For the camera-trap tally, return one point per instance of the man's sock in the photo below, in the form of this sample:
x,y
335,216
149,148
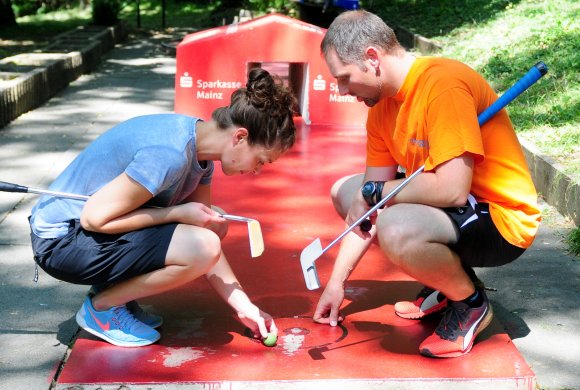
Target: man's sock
x,y
474,300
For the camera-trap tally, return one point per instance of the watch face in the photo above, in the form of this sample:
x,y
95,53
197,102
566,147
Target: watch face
x,y
368,189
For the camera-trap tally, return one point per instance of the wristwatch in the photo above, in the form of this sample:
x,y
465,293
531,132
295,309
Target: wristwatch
x,y
372,192
369,190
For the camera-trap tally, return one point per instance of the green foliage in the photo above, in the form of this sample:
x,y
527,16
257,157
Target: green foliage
x,y
106,12
505,47
573,240
35,7
437,18
194,15
24,7
265,6
35,31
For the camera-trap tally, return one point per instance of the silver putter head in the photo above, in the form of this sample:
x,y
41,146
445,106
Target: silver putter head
x,y
307,259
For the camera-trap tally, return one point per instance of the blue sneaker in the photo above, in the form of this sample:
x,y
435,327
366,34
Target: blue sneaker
x,y
145,317
116,325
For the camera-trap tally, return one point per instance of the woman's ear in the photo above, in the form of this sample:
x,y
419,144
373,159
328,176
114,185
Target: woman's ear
x,y
240,135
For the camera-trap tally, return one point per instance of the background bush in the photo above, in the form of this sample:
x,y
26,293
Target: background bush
x,y
38,7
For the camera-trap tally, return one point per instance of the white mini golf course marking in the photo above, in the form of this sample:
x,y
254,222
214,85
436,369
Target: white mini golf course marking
x,y
293,340
175,357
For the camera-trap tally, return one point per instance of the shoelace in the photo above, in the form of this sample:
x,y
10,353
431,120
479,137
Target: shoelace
x,y
123,318
452,322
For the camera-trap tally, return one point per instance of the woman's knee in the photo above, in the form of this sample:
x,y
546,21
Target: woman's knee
x,y
194,246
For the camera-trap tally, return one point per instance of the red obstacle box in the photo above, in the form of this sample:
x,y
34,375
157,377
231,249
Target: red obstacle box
x,y
211,64
204,346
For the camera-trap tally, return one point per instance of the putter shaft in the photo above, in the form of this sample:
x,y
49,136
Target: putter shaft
x,y
254,229
373,209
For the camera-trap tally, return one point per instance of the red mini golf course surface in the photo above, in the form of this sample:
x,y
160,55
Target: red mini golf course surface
x,y
204,346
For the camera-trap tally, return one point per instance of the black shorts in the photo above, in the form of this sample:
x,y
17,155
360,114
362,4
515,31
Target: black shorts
x,y
83,257
480,244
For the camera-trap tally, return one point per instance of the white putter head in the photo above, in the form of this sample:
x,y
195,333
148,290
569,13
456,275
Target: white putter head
x,y
256,239
307,259
254,233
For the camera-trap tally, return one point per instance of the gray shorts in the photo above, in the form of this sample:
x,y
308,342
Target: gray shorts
x,y
83,257
480,244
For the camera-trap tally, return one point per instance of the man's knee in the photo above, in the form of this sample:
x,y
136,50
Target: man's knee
x,y
396,236
393,240
343,192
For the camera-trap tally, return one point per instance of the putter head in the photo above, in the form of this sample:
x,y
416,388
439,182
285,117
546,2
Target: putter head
x,y
256,239
254,233
307,259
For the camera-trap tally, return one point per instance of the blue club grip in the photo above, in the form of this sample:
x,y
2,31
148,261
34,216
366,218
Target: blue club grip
x,y
520,86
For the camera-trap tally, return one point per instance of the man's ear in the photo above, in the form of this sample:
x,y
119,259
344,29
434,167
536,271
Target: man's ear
x,y
372,57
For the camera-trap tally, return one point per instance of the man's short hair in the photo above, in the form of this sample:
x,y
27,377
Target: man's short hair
x,y
353,31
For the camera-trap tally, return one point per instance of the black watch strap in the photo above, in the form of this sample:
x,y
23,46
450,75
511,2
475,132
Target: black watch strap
x,y
372,192
379,191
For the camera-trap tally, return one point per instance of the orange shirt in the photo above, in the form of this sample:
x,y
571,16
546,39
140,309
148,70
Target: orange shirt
x,y
433,119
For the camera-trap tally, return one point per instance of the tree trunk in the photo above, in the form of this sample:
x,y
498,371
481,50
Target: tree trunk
x,y
7,17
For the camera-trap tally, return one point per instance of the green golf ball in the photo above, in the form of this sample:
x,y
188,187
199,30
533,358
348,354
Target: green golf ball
x,y
270,341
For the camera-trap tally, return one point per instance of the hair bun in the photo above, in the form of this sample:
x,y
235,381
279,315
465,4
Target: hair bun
x,y
261,87
265,107
259,77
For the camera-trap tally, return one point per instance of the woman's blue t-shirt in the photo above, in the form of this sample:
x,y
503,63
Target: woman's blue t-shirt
x,y
157,151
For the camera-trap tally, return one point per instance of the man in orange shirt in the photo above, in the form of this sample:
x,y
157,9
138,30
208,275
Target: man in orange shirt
x,y
475,204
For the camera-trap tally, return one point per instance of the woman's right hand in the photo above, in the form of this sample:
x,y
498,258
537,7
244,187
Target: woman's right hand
x,y
260,323
198,214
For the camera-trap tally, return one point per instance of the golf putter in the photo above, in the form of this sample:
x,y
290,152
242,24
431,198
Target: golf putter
x,y
314,250
254,229
254,233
